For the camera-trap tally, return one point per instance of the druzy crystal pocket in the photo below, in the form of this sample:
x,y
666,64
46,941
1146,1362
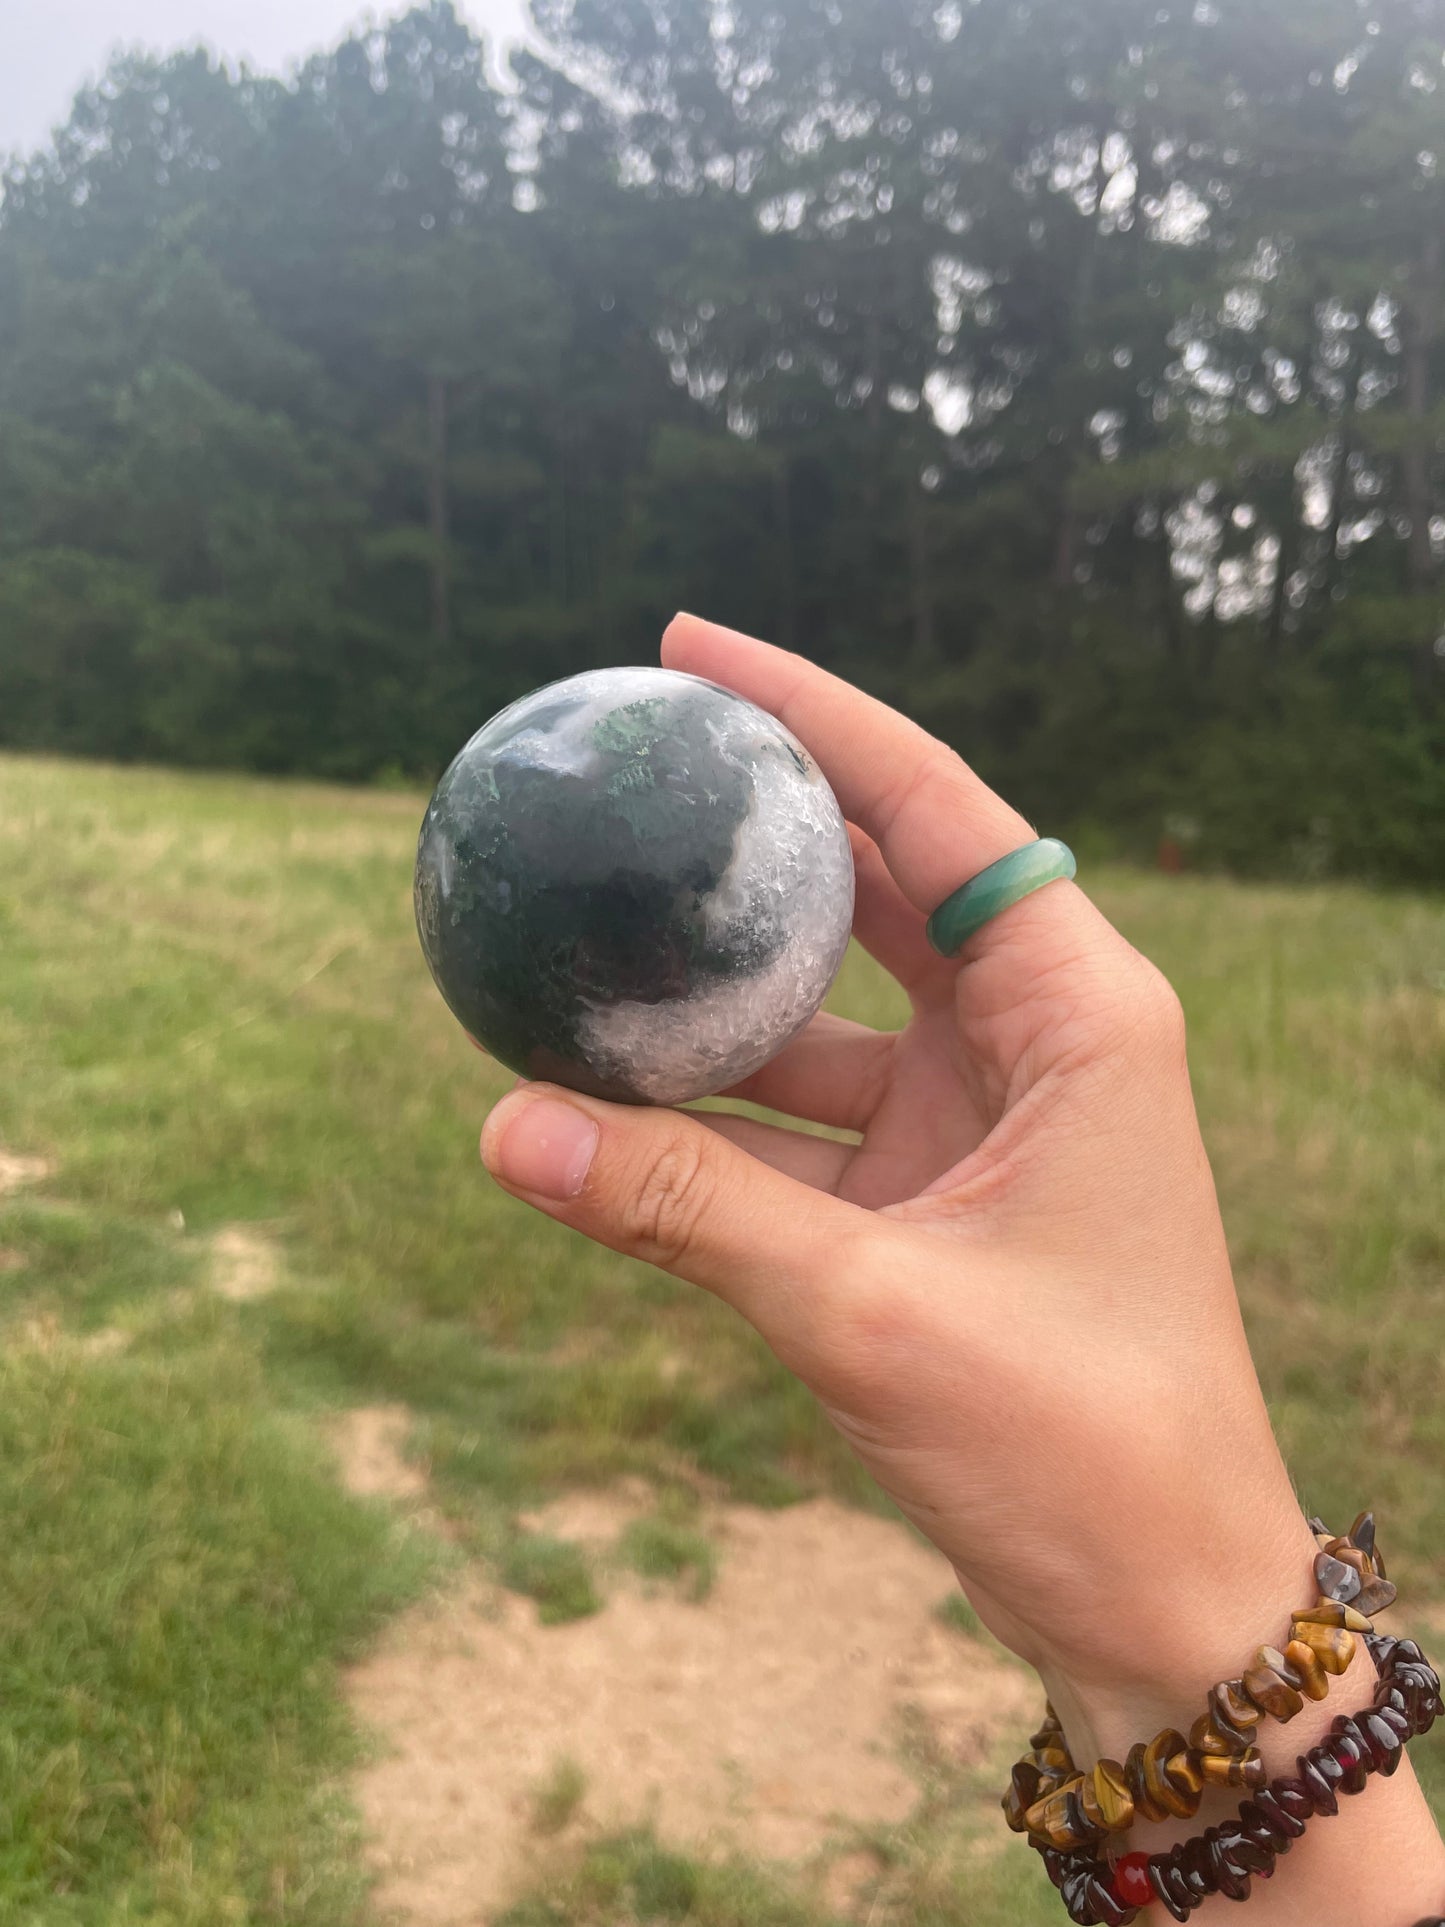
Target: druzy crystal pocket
x,y
634,883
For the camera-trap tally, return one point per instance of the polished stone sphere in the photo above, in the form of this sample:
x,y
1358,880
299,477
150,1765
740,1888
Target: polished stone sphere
x,y
634,883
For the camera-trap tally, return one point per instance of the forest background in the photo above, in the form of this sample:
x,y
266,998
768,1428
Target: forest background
x,y
1072,375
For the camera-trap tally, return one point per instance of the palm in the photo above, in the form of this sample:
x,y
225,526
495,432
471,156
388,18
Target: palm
x,y
925,1119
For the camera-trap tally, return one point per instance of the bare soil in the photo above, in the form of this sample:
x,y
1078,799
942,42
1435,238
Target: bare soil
x,y
765,1718
369,1443
17,1171
244,1263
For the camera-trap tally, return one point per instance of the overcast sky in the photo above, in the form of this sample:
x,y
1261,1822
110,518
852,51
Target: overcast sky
x,y
49,48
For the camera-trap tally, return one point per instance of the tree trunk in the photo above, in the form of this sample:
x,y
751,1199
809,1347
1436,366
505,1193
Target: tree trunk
x,y
1066,542
438,513
1206,647
1289,537
1318,616
787,562
1418,340
873,412
1418,334
1169,617
557,508
924,651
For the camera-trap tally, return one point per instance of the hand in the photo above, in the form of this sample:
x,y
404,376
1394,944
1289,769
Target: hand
x,y
1012,1295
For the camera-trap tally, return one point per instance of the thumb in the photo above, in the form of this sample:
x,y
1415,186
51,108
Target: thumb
x,y
659,1185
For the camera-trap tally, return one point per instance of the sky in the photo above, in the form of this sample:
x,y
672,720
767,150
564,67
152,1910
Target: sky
x,y
49,48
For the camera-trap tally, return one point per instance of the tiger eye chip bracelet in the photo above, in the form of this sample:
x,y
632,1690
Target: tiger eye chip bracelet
x,y
1059,1807
1224,1859
1067,1814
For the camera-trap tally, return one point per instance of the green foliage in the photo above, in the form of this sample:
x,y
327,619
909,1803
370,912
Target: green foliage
x,y
179,1576
631,1877
664,1548
954,1611
554,1573
557,1799
929,1873
1086,402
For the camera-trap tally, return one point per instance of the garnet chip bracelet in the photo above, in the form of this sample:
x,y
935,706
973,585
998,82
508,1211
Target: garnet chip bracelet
x,y
1069,1816
1059,1807
1224,1859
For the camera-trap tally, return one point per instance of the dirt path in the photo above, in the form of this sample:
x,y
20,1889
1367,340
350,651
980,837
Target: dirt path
x,y
245,1263
17,1171
760,1718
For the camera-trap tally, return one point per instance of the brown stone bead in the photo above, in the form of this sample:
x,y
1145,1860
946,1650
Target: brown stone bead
x,y
1049,1759
1329,1612
1272,1657
1023,1793
1305,1663
1207,1736
1146,1807
1362,1533
1162,1791
1059,1819
1272,1694
1182,1773
1230,1708
1349,1555
1048,1734
1243,1770
1112,1796
1089,1804
1375,1596
1333,1645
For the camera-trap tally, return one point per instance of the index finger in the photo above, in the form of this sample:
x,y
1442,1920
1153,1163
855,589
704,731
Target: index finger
x,y
936,823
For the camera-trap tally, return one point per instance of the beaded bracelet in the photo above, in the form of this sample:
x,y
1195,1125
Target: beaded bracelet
x,y
1059,1807
1223,1859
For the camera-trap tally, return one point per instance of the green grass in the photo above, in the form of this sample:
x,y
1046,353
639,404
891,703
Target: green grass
x,y
664,1548
179,1578
557,1799
954,1611
212,1009
552,1572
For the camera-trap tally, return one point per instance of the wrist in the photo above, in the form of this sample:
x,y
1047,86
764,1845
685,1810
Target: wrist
x,y
1377,1861
1192,1627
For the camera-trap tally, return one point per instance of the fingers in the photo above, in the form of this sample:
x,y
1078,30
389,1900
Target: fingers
x,y
891,930
935,822
816,1161
832,1073
662,1186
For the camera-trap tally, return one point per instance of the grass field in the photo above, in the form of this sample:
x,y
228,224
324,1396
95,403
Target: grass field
x,y
213,1012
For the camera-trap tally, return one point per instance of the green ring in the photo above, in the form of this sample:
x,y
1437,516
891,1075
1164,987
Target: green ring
x,y
997,888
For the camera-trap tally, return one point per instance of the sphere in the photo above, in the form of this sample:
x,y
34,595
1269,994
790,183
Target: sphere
x,y
634,883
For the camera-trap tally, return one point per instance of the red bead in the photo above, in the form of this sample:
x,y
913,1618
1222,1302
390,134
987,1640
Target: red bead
x,y
1132,1884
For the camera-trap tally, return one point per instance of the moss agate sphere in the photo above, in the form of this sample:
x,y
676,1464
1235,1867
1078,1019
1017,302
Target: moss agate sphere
x,y
634,883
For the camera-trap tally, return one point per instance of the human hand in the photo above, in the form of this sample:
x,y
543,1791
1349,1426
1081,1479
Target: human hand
x,y
1012,1294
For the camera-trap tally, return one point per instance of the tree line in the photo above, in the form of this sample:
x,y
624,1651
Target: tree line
x,y
1073,375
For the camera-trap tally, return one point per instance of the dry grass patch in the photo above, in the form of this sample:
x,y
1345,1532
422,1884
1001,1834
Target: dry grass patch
x,y
16,1171
245,1264
370,1448
767,1719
